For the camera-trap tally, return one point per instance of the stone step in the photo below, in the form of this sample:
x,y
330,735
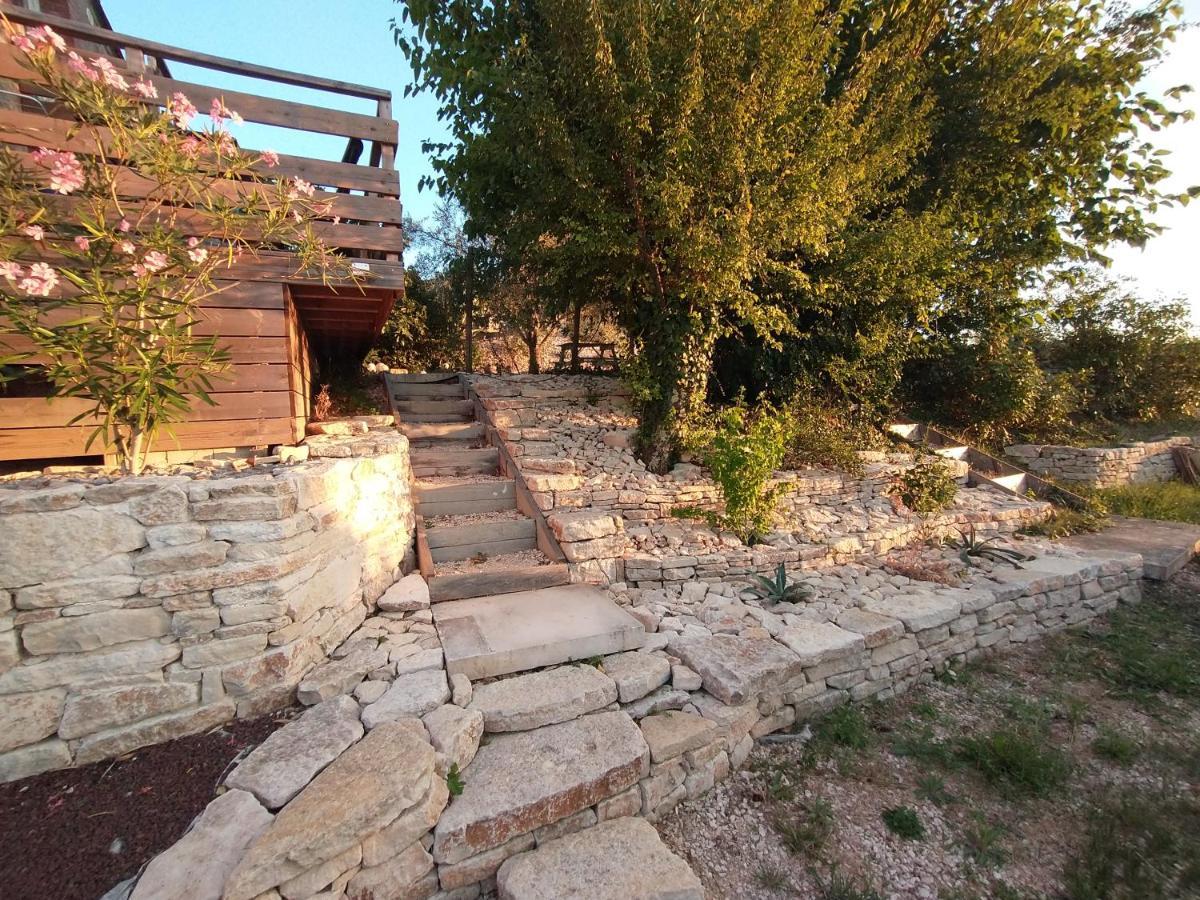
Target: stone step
x,y
432,462
490,538
614,860
442,407
1165,547
501,634
436,417
524,781
453,431
414,390
525,702
466,497
525,578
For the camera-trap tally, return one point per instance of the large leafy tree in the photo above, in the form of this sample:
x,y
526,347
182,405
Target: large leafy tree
x,y
687,158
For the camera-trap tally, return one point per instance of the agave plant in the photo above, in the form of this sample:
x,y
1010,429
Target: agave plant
x,y
971,548
779,589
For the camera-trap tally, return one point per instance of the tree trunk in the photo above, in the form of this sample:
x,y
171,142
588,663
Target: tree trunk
x,y
531,344
575,336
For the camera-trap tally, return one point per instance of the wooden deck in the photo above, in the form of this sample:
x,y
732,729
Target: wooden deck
x,y
273,320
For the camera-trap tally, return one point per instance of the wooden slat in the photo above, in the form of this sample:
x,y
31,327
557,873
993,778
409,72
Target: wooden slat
x,y
39,443
36,412
241,349
36,130
193,57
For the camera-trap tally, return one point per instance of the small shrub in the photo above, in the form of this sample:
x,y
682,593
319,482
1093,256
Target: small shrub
x,y
840,887
1017,760
1113,745
771,877
808,835
1173,501
845,726
923,746
904,822
932,788
981,841
1064,522
454,780
821,436
925,488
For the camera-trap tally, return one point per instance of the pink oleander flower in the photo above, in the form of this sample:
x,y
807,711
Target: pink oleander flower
x,y
144,89
40,281
337,220
111,76
182,109
35,232
83,243
193,242
197,255
224,143
269,158
23,42
127,248
124,226
191,147
66,174
44,34
154,261
76,64
300,188
219,112
11,270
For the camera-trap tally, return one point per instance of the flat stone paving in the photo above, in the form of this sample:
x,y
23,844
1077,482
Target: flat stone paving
x,y
1166,547
483,637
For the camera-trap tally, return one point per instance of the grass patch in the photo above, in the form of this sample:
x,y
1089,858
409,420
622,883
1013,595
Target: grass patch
x,y
1016,760
904,822
808,834
1064,521
772,878
1112,745
1138,847
981,842
1151,649
919,743
1173,501
932,789
839,887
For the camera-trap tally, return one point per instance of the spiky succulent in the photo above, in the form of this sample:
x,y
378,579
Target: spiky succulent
x,y
779,589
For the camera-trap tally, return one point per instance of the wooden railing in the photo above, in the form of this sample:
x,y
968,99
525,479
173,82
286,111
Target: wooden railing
x,y
363,196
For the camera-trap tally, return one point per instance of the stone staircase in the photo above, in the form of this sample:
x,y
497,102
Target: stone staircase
x,y
499,583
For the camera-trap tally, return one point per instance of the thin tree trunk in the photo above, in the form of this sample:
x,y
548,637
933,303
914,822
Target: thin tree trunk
x,y
575,336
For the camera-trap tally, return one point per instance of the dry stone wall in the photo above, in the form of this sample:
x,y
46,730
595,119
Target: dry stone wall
x,y
1135,463
142,609
569,436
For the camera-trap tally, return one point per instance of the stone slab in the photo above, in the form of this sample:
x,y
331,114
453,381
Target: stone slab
x,y
917,611
1165,547
364,789
542,698
410,696
488,636
622,859
195,867
673,733
734,669
636,674
818,642
522,781
282,765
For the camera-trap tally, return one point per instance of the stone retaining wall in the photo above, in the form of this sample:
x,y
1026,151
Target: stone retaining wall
x,y
143,609
1135,463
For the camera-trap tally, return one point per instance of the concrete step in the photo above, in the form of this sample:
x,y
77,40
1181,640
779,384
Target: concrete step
x,y
441,407
421,391
1165,547
466,497
435,417
959,452
497,635
451,431
462,585
432,462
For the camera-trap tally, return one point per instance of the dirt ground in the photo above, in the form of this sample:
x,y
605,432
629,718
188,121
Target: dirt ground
x,y
75,833
1069,768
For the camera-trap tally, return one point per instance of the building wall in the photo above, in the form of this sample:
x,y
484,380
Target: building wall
x,y
261,399
143,609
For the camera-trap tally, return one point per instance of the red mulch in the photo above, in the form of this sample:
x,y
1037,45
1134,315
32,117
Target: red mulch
x,y
75,833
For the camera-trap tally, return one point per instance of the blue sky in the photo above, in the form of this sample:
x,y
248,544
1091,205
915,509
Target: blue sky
x,y
350,41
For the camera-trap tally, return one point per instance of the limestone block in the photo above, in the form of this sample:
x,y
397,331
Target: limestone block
x,y
107,744
195,867
408,827
628,803
875,629
918,612
395,878
421,661
734,669
339,676
460,688
455,732
670,734
82,668
684,679
344,865
380,777
819,642
91,632
410,696
89,713
77,591
179,558
520,782
34,758
28,718
43,500
636,674
584,525
483,865
283,765
617,860
542,698
283,665
166,506
45,546
408,594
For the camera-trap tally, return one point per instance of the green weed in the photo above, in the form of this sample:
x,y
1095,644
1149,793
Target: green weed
x,y
1113,745
772,878
932,788
981,841
1173,501
904,822
809,834
454,780
1016,760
